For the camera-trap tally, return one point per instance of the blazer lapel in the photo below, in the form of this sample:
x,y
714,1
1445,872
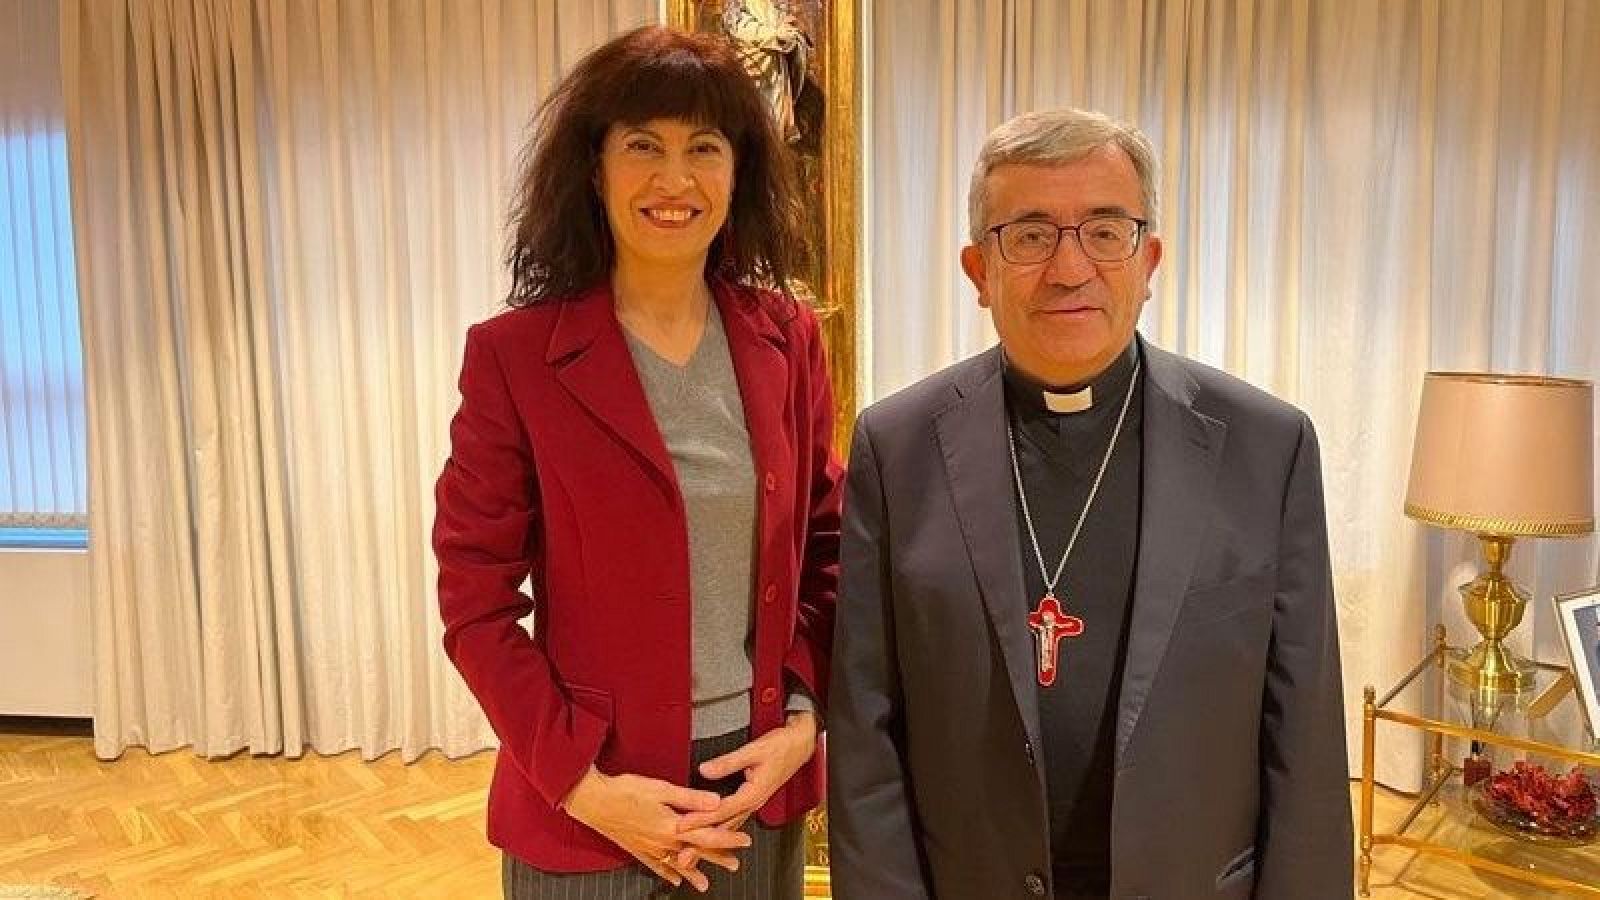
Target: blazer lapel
x,y
1182,448
592,362
972,439
755,345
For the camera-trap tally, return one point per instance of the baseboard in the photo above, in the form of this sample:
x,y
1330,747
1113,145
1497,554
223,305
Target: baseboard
x,y
48,726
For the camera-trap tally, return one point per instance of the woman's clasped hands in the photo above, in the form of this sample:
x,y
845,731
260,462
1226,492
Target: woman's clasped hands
x,y
670,828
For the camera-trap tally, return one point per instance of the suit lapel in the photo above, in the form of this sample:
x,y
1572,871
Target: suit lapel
x,y
972,439
1182,448
592,362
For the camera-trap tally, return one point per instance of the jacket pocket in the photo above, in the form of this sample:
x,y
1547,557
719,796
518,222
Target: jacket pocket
x,y
591,703
1223,600
1238,869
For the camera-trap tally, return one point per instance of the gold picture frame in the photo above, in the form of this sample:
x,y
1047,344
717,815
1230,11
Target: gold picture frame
x,y
824,109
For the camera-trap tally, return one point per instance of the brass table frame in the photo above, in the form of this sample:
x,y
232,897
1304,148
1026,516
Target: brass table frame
x,y
1440,770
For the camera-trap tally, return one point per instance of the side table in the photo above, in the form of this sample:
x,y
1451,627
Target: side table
x,y
1544,725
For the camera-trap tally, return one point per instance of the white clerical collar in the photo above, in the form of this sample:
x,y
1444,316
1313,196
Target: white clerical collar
x,y
1069,402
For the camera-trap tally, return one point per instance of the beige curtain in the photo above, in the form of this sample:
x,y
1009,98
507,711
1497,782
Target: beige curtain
x,y
1356,191
286,214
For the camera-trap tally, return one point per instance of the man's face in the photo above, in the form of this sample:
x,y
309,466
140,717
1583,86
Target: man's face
x,y
1063,321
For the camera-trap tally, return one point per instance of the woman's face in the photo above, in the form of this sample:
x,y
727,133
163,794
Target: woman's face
x,y
666,185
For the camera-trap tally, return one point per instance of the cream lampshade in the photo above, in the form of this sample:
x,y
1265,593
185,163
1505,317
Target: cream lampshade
x,y
1502,456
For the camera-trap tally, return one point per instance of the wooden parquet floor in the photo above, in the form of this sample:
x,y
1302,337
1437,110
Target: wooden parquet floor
x,y
176,825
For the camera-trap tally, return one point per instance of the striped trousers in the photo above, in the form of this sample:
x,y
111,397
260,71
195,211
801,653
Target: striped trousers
x,y
771,868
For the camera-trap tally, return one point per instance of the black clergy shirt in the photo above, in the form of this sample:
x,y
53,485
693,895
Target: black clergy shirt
x,y
1059,454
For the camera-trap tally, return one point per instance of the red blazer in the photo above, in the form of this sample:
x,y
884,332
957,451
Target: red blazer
x,y
557,471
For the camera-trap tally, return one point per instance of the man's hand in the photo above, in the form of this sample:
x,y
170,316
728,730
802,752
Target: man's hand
x,y
645,816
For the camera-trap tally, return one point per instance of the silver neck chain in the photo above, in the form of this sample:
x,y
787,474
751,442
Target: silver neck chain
x,y
1050,581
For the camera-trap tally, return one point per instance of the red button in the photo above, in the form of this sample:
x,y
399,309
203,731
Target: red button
x,y
769,695
772,482
770,595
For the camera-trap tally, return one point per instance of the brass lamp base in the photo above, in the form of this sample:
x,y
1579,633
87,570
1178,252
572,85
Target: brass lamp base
x,y
1495,605
1490,668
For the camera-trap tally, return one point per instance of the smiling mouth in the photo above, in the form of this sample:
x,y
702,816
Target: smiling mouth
x,y
670,216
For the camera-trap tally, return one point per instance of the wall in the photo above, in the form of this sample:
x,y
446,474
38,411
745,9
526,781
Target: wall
x,y
45,652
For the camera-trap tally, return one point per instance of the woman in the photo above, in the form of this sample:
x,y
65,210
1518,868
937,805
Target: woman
x,y
646,435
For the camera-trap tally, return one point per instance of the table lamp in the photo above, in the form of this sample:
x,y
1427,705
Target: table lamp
x,y
1501,456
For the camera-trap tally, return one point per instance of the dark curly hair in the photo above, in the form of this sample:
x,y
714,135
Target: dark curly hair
x,y
560,243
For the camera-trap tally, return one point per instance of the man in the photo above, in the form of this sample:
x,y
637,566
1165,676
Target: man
x,y
1085,643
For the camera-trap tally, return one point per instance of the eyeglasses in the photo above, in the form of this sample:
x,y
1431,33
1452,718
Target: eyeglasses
x,y
1104,239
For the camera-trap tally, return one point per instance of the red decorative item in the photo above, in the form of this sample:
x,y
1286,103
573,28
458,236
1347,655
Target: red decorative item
x,y
1537,802
1474,769
1050,623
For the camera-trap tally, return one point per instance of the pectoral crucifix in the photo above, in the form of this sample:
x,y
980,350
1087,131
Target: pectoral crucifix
x,y
1050,623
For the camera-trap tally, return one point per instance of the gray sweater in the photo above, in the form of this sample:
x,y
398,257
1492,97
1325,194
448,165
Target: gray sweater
x,y
698,410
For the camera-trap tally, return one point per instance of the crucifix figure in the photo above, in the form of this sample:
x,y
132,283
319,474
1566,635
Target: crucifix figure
x,y
1050,623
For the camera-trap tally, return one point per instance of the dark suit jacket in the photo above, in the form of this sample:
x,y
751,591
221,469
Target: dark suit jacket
x,y
557,471
1231,777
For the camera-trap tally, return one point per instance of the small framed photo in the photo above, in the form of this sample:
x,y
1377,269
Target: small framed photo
x,y
1579,615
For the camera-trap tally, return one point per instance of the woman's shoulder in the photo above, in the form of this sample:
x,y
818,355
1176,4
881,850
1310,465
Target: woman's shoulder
x,y
518,324
790,313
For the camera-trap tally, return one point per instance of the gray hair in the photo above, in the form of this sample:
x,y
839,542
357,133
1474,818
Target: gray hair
x,y
1057,137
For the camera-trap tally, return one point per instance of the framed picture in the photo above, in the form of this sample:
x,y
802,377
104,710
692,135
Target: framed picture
x,y
802,55
1579,615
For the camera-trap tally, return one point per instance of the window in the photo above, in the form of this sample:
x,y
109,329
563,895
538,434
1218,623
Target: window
x,y
43,469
